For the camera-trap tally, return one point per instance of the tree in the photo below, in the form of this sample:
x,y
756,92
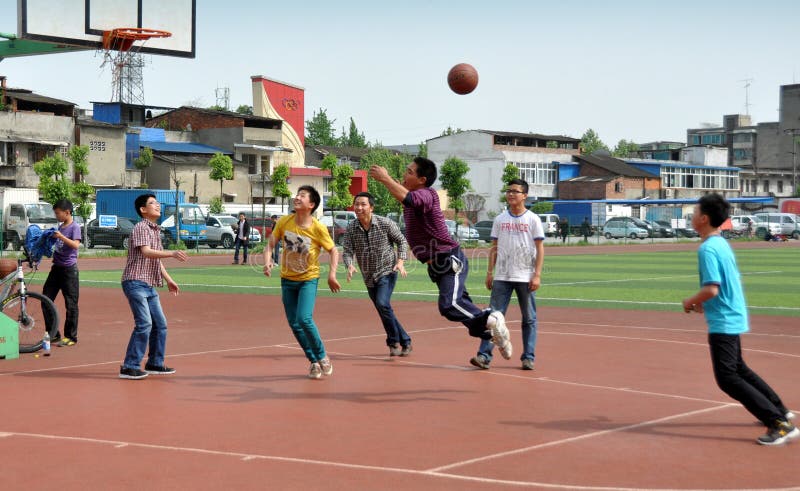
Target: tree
x,y
221,169
215,205
625,149
541,207
453,181
353,138
423,150
396,166
319,130
55,182
473,204
216,107
245,109
280,188
510,171
341,179
591,142
450,131
143,161
551,144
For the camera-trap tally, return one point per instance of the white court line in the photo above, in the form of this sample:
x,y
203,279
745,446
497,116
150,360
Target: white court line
x,y
577,438
249,457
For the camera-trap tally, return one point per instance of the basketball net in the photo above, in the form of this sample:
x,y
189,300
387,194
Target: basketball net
x,y
121,50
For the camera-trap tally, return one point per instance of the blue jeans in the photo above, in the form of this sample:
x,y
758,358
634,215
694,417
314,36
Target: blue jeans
x,y
501,297
381,295
298,302
150,325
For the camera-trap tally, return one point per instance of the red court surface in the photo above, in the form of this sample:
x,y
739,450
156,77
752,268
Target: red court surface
x,y
618,400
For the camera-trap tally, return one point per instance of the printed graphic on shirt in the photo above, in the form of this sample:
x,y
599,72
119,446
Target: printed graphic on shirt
x,y
296,249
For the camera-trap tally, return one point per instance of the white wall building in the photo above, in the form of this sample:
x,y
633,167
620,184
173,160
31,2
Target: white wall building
x,y
488,152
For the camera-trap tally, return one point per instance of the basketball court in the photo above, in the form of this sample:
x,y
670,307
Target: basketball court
x,y
618,400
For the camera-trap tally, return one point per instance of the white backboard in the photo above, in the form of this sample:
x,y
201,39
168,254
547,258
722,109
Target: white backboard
x,y
82,22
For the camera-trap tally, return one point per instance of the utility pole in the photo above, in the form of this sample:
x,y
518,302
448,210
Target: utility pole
x,y
746,94
794,132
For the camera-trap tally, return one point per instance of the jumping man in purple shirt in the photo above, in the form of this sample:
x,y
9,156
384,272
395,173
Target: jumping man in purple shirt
x,y
431,243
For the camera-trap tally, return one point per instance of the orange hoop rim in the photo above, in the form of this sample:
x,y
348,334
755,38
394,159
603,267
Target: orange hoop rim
x,y
122,38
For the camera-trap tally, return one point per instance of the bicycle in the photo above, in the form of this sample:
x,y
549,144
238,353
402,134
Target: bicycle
x,y
27,308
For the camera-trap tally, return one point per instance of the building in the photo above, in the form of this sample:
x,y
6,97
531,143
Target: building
x,y
766,152
488,152
601,177
32,126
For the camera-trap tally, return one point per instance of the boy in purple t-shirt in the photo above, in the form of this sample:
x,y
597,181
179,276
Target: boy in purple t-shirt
x,y
63,274
431,243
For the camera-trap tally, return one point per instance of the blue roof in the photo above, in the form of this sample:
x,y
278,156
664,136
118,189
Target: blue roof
x,y
182,147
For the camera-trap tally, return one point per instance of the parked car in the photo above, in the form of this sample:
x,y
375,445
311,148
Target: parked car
x,y
787,222
762,226
117,236
662,228
624,227
549,224
336,227
219,231
484,228
465,232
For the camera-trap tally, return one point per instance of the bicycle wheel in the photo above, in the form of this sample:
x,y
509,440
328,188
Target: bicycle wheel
x,y
31,323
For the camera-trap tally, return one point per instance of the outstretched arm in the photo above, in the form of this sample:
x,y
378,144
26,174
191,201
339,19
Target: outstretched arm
x,y
397,190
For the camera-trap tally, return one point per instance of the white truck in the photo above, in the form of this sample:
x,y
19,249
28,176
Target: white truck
x,y
20,208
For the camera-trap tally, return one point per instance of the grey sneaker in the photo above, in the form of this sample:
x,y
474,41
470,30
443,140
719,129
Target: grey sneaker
x,y
326,366
406,350
480,361
527,364
500,336
394,350
315,371
779,433
789,415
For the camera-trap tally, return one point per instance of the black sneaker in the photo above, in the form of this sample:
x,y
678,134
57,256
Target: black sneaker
x,y
779,433
480,361
162,370
131,373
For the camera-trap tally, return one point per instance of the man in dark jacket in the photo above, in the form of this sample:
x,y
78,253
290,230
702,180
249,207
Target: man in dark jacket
x,y
242,231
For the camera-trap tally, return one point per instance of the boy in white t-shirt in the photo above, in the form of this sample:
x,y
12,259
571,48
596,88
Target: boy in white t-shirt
x,y
515,265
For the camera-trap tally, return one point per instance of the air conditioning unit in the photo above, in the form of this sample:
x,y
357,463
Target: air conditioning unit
x,y
669,193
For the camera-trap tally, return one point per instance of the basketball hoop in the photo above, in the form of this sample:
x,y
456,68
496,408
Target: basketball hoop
x,y
122,39
120,48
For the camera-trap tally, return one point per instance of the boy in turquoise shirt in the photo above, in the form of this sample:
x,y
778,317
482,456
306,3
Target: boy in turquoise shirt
x,y
721,299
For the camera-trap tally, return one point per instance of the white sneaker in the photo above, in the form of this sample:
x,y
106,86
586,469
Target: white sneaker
x,y
500,336
789,416
315,371
326,366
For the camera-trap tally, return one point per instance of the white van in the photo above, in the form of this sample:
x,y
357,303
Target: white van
x,y
549,224
787,222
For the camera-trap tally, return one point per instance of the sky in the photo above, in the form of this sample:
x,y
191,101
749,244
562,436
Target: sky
x,y
638,70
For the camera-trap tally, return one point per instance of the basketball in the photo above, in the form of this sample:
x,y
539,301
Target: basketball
x,y
463,78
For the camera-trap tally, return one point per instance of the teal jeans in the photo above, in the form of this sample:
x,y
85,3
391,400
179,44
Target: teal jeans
x,y
298,302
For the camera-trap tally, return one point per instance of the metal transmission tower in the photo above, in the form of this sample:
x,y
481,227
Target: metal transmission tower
x,y
128,81
223,97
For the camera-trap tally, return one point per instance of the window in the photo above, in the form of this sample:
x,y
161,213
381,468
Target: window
x,y
699,178
695,140
766,186
537,172
712,139
250,160
780,186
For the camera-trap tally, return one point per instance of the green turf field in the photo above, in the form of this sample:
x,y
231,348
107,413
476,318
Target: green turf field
x,y
636,280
